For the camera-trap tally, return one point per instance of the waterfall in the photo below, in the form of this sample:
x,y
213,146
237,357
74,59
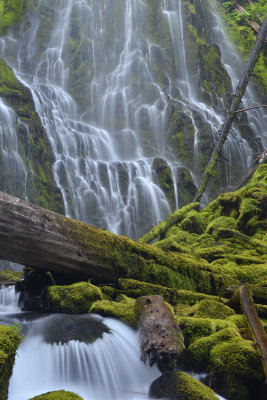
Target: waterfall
x,y
108,368
118,85
9,300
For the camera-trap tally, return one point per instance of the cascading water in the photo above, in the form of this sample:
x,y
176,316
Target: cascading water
x,y
111,81
89,355
8,300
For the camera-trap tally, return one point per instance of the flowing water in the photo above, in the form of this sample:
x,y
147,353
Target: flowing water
x,y
104,81
95,357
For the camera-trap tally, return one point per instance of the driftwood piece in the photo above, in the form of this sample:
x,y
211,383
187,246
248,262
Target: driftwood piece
x,y
161,339
39,238
240,90
242,300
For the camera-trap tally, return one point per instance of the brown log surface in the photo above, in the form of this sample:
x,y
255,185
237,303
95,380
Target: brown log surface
x,y
258,333
161,340
33,236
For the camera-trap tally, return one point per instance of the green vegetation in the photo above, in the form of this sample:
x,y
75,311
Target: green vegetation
x,y
10,12
123,308
10,276
76,298
244,36
180,385
9,341
57,395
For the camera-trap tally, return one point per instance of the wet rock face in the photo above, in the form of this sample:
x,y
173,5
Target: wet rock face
x,y
165,179
83,328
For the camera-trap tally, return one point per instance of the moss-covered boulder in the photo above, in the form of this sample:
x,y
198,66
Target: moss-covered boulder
x,y
212,309
196,328
123,308
10,276
180,386
57,395
74,299
9,341
198,353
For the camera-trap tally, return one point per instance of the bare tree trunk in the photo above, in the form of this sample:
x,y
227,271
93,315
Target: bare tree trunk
x,y
240,90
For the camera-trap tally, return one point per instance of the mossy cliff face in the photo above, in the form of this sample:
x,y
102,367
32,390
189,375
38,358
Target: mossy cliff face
x,y
33,145
10,12
9,341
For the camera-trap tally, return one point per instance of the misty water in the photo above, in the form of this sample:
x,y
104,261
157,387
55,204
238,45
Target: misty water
x,y
96,357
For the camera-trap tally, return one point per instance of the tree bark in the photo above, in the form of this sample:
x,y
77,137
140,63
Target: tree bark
x,y
39,238
242,299
240,90
161,340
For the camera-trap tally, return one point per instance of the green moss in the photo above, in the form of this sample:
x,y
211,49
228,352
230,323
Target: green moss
x,y
193,222
76,298
212,309
165,179
180,385
196,328
124,309
9,341
136,288
198,353
240,323
10,276
57,395
237,358
10,12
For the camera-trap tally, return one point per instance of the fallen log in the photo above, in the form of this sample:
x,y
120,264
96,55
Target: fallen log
x,y
242,298
39,238
161,339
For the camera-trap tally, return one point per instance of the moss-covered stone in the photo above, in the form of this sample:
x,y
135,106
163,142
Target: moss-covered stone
x,y
198,353
10,276
74,299
196,328
182,386
186,187
9,341
123,308
237,358
57,395
212,309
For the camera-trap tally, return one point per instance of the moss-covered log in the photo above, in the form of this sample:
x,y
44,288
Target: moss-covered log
x,y
40,238
161,340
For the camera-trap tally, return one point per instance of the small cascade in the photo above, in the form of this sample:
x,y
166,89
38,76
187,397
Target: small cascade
x,y
9,299
109,368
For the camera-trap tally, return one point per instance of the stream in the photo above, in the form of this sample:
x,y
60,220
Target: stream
x,y
95,357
